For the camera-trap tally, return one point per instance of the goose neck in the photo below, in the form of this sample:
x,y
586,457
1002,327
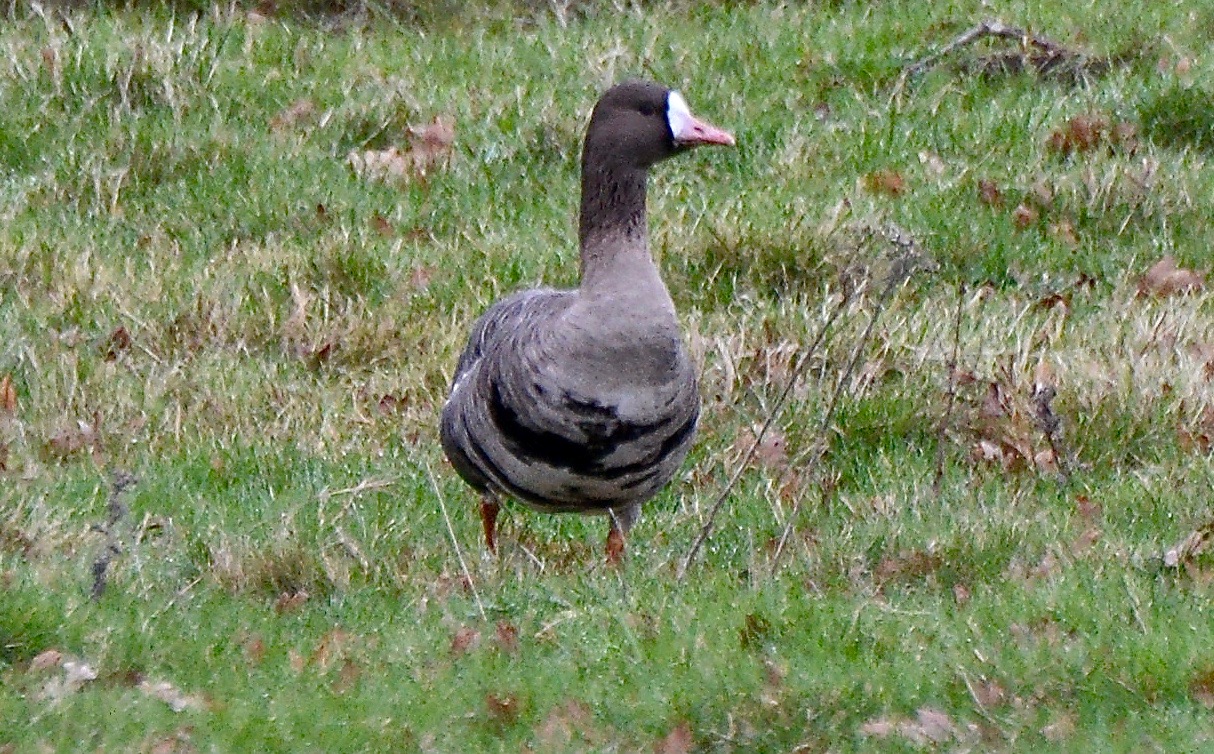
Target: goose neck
x,y
612,229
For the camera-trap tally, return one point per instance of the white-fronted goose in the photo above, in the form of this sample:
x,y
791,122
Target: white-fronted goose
x,y
585,400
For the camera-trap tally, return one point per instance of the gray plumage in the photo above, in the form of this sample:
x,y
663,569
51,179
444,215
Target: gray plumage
x,y
585,400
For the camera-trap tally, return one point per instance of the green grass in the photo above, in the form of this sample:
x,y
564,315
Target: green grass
x,y
214,301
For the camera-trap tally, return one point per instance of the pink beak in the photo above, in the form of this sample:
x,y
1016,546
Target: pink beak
x,y
697,133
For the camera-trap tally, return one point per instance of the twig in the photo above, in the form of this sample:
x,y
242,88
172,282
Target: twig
x,y
116,511
902,269
706,529
438,493
363,486
1051,426
987,28
947,418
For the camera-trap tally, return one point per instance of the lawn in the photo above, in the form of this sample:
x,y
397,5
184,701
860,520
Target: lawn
x,y
955,345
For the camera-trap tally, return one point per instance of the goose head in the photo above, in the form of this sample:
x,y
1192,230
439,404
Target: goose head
x,y
639,123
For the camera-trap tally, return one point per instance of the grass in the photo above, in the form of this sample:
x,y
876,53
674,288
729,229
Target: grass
x,y
198,289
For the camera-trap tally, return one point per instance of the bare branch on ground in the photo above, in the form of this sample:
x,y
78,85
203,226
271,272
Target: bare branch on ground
x,y
116,512
1036,53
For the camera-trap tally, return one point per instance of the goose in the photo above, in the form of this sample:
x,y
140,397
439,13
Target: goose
x,y
585,400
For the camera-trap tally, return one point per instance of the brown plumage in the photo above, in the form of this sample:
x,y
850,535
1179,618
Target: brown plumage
x,y
585,400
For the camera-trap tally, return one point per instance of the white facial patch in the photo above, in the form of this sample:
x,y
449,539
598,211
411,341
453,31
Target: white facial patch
x,y
678,115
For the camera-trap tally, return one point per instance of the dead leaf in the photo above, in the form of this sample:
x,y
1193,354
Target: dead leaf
x,y
1197,435
1046,568
430,146
988,693
987,452
1079,134
1060,728
1004,431
118,341
382,226
8,395
1043,376
75,675
1064,231
49,658
289,602
347,677
420,276
178,743
1085,540
317,358
1088,510
1165,278
772,451
465,640
1046,461
294,114
935,725
1060,301
432,143
381,164
1042,193
888,182
503,710
506,636
929,727
989,193
961,594
177,700
1024,216
881,727
773,683
50,60
907,566
1202,687
70,440
1125,137
296,660
677,741
390,404
1190,547
561,723
254,650
330,646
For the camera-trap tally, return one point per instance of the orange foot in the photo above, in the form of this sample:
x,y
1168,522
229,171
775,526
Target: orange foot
x,y
615,548
489,509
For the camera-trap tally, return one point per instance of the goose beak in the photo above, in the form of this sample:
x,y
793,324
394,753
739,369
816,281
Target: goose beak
x,y
697,133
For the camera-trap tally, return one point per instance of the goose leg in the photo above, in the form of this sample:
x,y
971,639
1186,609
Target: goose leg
x,y
621,522
489,508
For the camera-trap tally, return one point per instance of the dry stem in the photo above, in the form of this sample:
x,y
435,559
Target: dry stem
x,y
951,401
706,529
901,270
